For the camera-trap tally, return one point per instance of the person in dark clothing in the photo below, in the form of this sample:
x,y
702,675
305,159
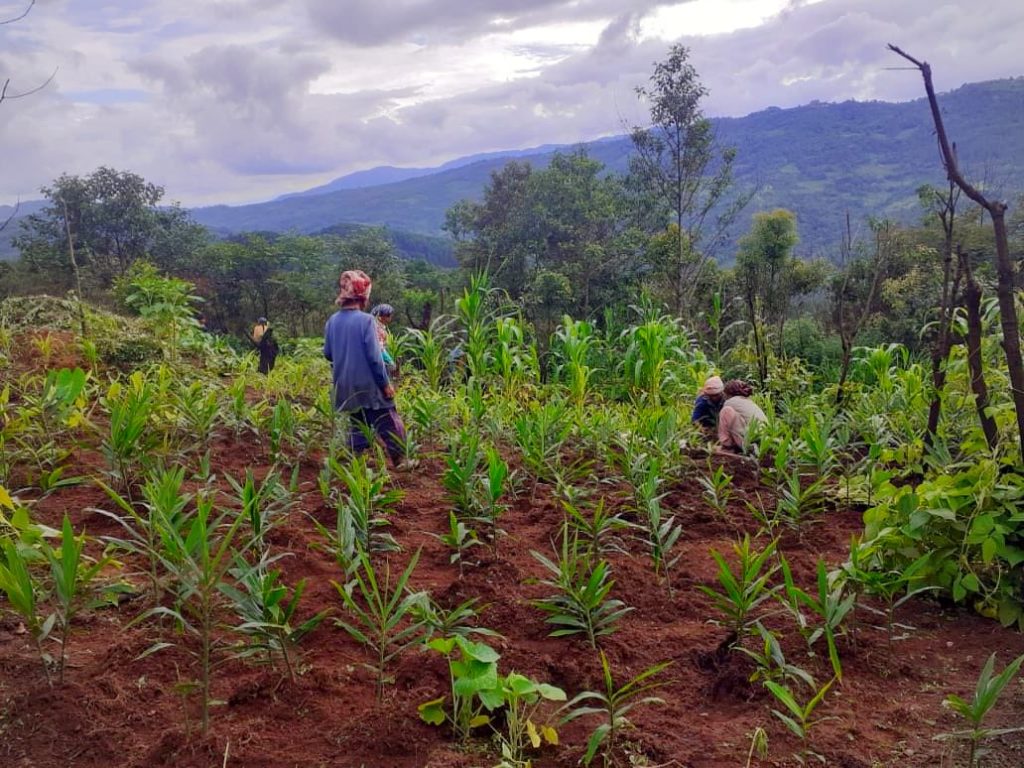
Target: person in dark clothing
x,y
362,388
708,404
266,345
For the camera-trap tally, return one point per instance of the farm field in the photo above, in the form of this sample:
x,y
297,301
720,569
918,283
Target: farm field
x,y
541,477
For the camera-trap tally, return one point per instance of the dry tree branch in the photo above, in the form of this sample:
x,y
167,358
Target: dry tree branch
x,y
10,218
5,96
948,153
1005,271
22,16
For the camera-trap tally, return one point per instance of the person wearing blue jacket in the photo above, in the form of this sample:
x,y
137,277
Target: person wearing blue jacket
x,y
708,405
361,385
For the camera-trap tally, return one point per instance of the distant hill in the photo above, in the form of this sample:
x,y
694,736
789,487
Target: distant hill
x,y
432,248
414,246
7,250
819,160
389,174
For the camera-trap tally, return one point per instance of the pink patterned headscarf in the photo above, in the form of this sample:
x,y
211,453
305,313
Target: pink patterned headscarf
x,y
354,285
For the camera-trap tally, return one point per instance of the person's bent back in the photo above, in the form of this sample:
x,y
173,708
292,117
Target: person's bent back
x,y
738,412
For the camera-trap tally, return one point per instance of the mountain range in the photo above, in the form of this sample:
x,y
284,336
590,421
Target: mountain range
x,y
820,160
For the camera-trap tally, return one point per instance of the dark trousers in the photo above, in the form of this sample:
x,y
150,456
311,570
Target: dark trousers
x,y
385,423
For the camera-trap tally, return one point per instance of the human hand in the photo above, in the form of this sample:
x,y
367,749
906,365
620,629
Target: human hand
x,y
389,392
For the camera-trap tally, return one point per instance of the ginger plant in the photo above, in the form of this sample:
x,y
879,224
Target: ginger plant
x,y
611,705
383,619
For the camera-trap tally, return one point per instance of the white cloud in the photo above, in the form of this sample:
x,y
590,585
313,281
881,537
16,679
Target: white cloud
x,y
234,100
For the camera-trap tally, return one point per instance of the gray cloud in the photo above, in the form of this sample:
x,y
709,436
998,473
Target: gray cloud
x,y
374,22
245,100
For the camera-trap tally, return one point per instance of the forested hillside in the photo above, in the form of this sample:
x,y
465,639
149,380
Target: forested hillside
x,y
818,160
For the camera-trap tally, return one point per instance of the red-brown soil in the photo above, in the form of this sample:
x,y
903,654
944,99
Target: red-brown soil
x,y
116,710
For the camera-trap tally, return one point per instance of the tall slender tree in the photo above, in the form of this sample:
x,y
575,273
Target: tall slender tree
x,y
678,157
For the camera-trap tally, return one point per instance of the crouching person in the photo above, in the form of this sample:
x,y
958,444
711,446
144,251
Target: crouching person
x,y
738,412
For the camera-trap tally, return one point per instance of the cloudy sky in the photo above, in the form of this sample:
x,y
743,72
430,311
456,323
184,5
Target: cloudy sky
x,y
241,100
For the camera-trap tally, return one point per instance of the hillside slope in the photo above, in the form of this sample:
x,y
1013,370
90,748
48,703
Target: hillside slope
x,y
819,160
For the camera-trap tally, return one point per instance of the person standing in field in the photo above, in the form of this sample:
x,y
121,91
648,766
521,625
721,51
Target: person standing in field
x,y
263,338
362,387
738,412
384,314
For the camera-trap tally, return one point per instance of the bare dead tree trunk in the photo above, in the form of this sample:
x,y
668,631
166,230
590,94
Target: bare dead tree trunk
x,y
848,333
1004,266
760,343
74,266
941,347
972,299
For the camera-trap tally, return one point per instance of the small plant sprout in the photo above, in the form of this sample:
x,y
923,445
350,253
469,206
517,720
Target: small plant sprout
x,y
830,605
660,534
581,604
263,504
361,510
800,718
771,661
22,591
758,746
717,488
986,694
744,590
383,618
597,532
473,676
865,574
611,706
198,557
447,622
459,539
72,579
268,614
524,700
153,523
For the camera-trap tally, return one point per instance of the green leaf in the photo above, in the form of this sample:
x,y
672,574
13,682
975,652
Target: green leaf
x,y
988,549
785,697
432,711
790,723
550,692
443,645
595,741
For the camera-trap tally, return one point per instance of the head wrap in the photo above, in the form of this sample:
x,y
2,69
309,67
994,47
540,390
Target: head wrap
x,y
737,387
354,285
713,386
383,310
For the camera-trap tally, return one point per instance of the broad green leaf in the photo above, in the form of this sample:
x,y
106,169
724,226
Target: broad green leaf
x,y
432,711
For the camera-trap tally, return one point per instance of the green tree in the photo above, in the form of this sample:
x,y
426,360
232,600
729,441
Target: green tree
x,y
767,274
569,222
677,158
114,220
